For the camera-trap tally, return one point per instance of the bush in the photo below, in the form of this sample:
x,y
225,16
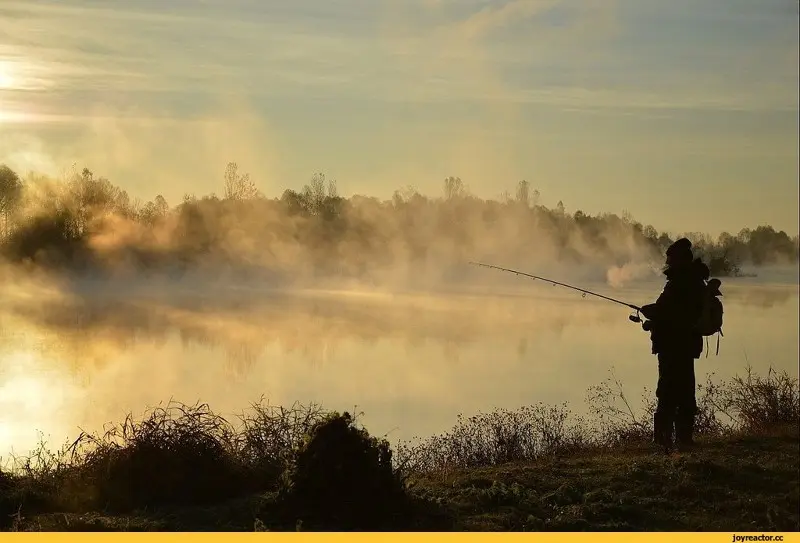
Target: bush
x,y
177,454
618,422
269,435
8,505
47,240
723,266
740,405
499,437
342,478
761,404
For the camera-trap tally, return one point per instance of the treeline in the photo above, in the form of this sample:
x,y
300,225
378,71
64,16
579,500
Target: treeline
x,y
86,221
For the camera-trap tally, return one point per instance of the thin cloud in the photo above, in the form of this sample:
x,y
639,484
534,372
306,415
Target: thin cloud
x,y
495,17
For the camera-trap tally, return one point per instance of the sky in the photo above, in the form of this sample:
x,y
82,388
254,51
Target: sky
x,y
684,113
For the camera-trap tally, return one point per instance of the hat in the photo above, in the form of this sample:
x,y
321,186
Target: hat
x,y
682,249
683,245
713,285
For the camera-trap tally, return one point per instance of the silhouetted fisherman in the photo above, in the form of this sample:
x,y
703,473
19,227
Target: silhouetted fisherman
x,y
672,323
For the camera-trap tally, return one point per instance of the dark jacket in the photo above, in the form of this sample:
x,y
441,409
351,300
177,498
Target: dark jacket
x,y
677,310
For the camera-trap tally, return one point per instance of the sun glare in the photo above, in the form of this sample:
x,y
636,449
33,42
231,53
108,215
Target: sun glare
x,y
7,78
31,400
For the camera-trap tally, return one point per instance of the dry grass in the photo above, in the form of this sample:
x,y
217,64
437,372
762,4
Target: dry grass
x,y
746,404
175,454
192,459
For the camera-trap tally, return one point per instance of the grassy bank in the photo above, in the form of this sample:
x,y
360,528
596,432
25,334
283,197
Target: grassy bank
x,y
745,483
537,468
738,483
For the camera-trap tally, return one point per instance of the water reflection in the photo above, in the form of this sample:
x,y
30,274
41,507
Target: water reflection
x,y
410,361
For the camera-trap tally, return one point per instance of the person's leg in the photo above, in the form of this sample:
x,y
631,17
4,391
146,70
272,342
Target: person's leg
x,y
664,416
686,403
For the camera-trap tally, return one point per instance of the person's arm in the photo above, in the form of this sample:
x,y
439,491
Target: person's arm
x,y
664,310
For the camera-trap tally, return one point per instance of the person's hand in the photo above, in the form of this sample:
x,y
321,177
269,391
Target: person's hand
x,y
649,311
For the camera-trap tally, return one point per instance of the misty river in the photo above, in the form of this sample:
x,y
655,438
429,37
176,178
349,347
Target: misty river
x,y
410,361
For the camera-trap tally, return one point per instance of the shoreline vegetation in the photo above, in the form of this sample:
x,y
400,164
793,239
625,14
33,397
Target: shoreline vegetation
x,y
84,223
538,468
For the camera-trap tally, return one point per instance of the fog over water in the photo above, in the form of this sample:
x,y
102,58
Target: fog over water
x,y
82,353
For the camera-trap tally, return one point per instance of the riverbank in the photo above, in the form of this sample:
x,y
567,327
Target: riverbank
x,y
185,468
739,483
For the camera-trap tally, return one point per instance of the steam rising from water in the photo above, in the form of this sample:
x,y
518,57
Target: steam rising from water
x,y
382,304
619,276
91,350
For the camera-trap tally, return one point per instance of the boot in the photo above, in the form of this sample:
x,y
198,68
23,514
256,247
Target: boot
x,y
662,431
684,432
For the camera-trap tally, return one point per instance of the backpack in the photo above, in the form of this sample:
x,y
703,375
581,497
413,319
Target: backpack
x,y
710,322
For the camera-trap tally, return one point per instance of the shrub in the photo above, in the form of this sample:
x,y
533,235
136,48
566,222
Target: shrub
x,y
176,454
269,435
342,478
8,505
741,404
498,437
721,265
761,404
46,239
618,422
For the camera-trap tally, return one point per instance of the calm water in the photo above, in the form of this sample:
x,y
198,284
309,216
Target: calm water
x,y
410,362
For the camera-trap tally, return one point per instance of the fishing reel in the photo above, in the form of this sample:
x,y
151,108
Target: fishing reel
x,y
637,318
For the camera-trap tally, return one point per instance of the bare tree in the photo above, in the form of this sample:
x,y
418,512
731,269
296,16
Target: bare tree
x,y
535,197
162,207
10,194
318,192
523,193
650,232
453,188
93,197
238,187
154,211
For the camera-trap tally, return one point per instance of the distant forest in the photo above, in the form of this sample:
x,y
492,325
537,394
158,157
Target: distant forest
x,y
84,221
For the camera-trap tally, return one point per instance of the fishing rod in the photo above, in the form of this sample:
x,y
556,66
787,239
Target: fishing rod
x,y
634,318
